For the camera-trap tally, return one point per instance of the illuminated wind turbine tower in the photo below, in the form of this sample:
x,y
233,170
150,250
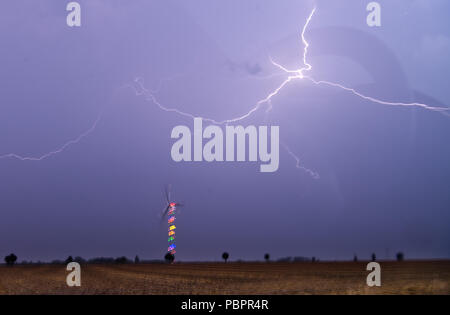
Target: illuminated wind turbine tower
x,y
172,227
170,211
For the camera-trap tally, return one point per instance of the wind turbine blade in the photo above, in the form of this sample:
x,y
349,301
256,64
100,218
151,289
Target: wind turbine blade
x,y
167,194
165,210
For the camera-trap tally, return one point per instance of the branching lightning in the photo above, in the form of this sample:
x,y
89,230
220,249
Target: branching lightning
x,y
374,100
298,165
296,74
58,150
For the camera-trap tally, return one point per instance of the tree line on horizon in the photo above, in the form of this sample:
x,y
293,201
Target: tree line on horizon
x,y
11,259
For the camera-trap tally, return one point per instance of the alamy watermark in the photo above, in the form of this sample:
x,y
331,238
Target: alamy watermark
x,y
374,16
74,16
235,144
374,278
73,279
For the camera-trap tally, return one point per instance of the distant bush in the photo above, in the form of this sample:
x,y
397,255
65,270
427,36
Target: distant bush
x,y
101,260
225,256
80,260
122,260
69,260
11,259
285,259
152,261
301,259
400,256
267,257
169,258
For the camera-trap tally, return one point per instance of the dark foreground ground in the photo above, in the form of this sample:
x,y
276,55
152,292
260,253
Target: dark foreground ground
x,y
422,277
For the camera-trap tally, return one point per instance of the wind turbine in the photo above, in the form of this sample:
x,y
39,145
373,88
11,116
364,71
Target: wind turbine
x,y
170,212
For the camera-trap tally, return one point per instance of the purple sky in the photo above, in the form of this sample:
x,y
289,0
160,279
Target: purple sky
x,y
384,171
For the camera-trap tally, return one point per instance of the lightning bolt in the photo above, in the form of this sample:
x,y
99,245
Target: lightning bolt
x,y
295,74
374,100
298,164
58,150
299,74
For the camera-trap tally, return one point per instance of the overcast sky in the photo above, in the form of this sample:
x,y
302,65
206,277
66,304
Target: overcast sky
x,y
384,171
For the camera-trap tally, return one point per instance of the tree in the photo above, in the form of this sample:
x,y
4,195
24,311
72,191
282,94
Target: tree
x,y
225,256
355,258
267,257
10,259
169,257
136,259
313,259
374,257
400,256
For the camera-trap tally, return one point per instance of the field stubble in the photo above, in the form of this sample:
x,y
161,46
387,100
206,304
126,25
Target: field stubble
x,y
420,277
